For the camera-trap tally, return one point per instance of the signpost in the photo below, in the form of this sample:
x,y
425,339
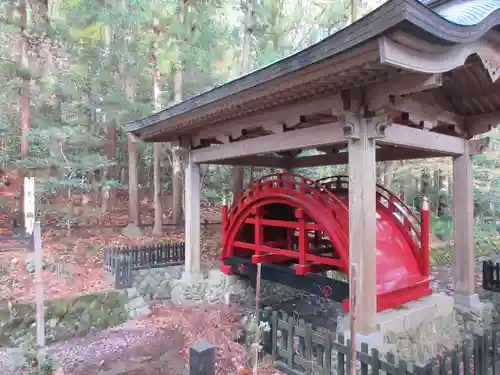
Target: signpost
x,y
29,204
40,313
33,228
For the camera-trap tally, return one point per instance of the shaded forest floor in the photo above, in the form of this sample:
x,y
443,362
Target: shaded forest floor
x,y
153,345
74,260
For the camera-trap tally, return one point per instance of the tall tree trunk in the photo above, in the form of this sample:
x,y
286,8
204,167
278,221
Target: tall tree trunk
x,y
158,224
177,185
133,199
107,192
25,99
238,173
389,167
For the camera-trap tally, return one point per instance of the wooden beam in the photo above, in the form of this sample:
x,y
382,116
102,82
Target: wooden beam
x,y
420,111
272,120
378,96
400,135
482,123
312,137
257,161
383,154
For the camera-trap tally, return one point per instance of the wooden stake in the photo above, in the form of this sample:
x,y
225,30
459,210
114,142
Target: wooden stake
x,y
352,311
257,319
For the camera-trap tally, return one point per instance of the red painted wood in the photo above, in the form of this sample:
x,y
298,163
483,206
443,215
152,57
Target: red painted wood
x,y
426,241
289,218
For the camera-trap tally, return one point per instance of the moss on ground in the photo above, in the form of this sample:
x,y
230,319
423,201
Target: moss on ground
x,y
445,255
64,318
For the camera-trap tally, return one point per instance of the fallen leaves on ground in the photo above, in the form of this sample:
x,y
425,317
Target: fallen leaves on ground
x,y
216,324
81,254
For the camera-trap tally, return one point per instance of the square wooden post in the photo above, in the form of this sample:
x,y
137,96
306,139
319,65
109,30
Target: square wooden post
x,y
192,217
463,218
362,221
133,193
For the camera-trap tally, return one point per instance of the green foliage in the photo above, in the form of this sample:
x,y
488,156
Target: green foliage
x,y
442,227
30,360
485,247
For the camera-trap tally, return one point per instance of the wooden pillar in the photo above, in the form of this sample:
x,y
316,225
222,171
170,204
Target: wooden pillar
x,y
192,217
362,222
463,218
133,192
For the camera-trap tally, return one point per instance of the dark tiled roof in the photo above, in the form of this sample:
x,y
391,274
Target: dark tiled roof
x,y
439,21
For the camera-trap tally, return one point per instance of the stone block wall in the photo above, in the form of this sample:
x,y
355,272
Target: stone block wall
x,y
215,286
152,283
67,318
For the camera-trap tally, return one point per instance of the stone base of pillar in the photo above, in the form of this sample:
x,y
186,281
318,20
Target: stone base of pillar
x,y
417,331
190,278
471,302
473,315
132,230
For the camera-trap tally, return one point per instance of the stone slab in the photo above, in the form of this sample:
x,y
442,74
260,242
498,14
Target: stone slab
x,y
417,330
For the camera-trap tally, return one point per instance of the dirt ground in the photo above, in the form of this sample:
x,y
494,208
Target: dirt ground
x,y
155,344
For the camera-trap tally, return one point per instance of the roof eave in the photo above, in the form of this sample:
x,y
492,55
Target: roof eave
x,y
409,15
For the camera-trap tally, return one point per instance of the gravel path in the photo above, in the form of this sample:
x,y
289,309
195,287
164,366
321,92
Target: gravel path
x,y
126,350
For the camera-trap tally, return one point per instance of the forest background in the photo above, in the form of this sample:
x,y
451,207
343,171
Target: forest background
x,y
72,72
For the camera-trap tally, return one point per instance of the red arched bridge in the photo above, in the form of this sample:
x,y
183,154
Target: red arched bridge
x,y
298,228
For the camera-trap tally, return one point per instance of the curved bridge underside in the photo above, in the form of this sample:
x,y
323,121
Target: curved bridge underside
x,y
292,221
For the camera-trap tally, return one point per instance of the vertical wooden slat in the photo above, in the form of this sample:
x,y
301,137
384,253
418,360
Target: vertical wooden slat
x,y
402,367
485,275
327,352
349,361
497,275
308,347
364,365
341,356
455,362
485,346
375,362
274,334
478,368
442,366
495,359
289,352
467,359
391,362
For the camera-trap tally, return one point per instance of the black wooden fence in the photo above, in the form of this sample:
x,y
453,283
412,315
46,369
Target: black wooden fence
x,y
298,349
18,240
121,262
491,276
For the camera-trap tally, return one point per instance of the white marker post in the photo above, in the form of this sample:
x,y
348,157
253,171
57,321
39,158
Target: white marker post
x,y
29,204
40,307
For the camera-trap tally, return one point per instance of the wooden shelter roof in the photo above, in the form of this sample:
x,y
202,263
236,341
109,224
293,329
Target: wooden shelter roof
x,y
458,38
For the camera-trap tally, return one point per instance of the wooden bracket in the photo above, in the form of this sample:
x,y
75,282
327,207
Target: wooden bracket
x,y
491,63
349,127
380,96
378,125
478,146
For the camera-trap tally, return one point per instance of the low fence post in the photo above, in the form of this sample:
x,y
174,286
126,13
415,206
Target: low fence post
x,y
202,359
123,272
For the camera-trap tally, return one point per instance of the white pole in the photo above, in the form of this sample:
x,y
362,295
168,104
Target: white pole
x,y
40,308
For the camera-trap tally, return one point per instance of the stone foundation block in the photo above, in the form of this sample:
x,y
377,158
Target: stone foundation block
x,y
416,331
